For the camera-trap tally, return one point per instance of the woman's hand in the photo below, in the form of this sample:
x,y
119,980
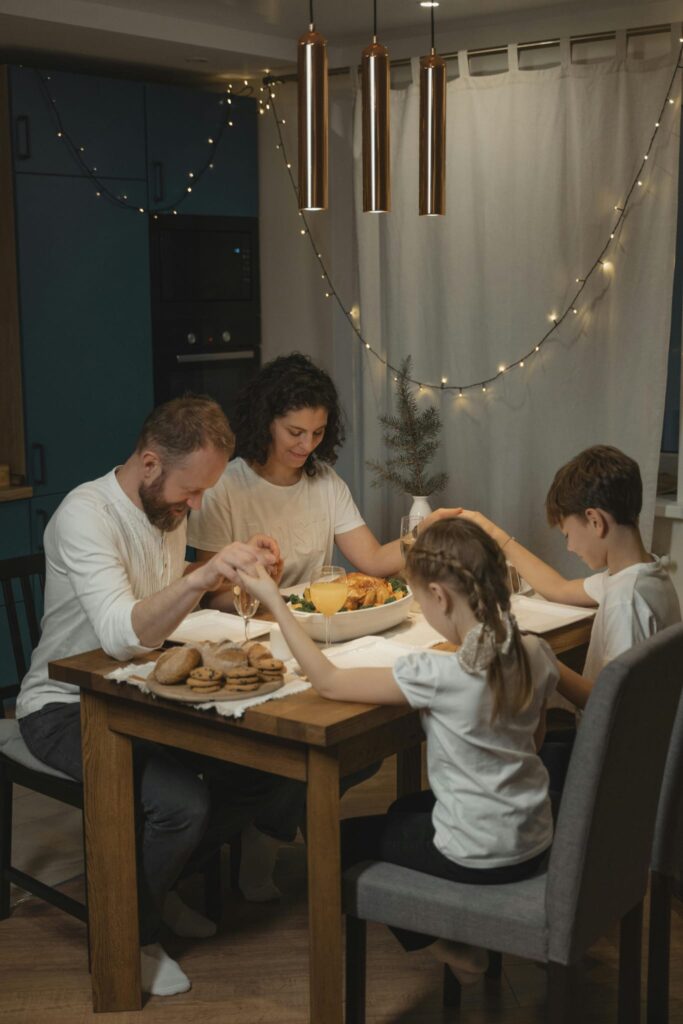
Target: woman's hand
x,y
263,542
258,581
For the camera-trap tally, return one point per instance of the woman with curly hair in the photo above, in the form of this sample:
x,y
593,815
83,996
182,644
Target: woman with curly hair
x,y
288,426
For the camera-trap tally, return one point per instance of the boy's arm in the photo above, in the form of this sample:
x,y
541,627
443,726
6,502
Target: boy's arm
x,y
573,687
542,577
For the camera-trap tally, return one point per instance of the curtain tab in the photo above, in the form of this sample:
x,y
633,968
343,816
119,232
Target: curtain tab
x,y
513,57
415,70
621,45
463,64
565,52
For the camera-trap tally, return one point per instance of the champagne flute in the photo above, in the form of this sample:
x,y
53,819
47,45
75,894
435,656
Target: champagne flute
x,y
328,593
408,534
246,606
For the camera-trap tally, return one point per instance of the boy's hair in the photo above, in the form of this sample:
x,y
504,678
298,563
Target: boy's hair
x,y
459,554
184,425
599,477
284,385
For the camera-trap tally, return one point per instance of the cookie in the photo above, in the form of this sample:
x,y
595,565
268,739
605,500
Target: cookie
x,y
241,674
201,691
174,666
271,665
203,675
243,687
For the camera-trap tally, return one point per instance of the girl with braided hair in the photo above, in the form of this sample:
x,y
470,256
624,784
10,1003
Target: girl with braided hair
x,y
486,818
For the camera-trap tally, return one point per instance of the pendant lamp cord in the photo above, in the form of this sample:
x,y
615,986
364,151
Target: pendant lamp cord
x,y
310,12
432,13
374,19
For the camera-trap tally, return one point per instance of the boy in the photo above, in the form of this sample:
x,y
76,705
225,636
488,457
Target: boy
x,y
595,499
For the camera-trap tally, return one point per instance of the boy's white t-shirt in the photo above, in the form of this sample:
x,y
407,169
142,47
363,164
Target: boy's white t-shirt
x,y
633,604
492,807
304,518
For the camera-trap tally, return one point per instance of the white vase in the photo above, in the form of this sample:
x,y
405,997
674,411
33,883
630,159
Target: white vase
x,y
420,506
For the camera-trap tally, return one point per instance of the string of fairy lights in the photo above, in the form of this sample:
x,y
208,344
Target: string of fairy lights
x,y
573,307
77,151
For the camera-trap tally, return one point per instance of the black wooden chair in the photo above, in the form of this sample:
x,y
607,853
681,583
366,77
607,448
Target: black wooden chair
x,y
18,766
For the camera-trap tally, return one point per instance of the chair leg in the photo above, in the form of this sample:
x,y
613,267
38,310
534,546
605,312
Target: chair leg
x,y
630,941
659,949
5,843
495,967
564,993
356,947
213,887
235,845
85,883
452,989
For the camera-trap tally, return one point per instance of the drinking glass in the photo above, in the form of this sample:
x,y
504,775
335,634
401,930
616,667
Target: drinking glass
x,y
514,579
246,606
408,534
328,593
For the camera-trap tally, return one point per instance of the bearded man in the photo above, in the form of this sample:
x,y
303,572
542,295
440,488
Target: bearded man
x,y
116,578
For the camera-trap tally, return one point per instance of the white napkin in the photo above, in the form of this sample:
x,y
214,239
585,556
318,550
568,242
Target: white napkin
x,y
137,674
536,615
208,624
368,652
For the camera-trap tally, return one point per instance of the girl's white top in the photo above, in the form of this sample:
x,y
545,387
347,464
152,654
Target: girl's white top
x,y
492,807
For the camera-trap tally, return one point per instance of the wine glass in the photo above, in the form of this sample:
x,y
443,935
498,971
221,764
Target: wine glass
x,y
408,534
246,606
328,593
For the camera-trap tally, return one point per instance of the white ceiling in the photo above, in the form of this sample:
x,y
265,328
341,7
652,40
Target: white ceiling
x,y
225,38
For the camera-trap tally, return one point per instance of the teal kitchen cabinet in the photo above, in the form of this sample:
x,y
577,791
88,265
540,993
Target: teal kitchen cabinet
x,y
85,324
105,116
180,123
15,540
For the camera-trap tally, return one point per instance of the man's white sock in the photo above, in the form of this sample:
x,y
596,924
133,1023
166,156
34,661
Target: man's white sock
x,y
259,853
159,974
184,921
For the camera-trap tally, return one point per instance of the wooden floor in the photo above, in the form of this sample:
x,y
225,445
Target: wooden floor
x,y
255,970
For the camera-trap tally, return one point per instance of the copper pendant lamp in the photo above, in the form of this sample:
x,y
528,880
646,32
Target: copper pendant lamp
x,y
432,133
375,104
313,118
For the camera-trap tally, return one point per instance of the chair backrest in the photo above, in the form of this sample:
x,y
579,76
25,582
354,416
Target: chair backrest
x,y
667,848
599,862
21,574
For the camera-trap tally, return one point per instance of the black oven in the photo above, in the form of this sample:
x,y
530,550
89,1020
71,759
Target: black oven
x,y
206,320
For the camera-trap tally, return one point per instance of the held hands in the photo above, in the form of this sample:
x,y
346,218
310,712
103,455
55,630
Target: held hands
x,y
260,584
237,556
262,541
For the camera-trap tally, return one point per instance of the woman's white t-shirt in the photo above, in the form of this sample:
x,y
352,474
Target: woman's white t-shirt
x,y
492,807
304,518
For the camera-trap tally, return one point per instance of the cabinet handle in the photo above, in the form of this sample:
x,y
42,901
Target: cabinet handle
x,y
42,517
22,138
158,180
40,477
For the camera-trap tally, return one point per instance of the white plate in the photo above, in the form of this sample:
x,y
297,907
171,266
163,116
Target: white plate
x,y
350,625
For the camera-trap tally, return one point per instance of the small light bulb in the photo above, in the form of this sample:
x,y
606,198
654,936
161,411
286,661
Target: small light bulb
x,y
175,213
538,348
501,368
231,125
303,231
189,188
98,194
261,111
483,387
246,82
327,295
141,209
553,318
575,311
640,184
190,174
396,380
210,167
59,135
444,380
646,157
289,167
671,101
367,344
210,141
283,121
277,145
82,149
460,393
612,235
521,363
657,124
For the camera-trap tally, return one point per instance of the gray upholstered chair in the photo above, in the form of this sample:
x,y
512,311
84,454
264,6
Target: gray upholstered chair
x,y
665,868
597,871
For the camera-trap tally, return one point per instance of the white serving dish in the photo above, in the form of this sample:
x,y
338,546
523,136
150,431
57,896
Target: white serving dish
x,y
350,625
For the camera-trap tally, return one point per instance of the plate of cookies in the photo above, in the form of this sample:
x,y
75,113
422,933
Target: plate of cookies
x,y
200,673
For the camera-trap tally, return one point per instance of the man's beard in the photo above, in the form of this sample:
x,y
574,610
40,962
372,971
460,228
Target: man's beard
x,y
165,516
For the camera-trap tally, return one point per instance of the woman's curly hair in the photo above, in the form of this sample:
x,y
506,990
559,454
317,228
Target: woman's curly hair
x,y
285,384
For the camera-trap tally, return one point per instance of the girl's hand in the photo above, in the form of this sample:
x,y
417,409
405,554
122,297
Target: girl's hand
x,y
260,584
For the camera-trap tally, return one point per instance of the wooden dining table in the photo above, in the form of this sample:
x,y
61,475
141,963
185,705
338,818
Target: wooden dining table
x,y
301,736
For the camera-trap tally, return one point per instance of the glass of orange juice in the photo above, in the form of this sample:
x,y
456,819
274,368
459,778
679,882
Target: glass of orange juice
x,y
328,593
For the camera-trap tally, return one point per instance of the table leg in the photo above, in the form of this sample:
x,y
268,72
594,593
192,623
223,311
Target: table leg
x,y
326,966
409,771
109,821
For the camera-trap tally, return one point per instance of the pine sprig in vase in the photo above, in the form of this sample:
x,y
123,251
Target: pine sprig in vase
x,y
413,438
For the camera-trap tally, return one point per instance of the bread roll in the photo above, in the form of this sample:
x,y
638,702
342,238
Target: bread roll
x,y
223,656
174,666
